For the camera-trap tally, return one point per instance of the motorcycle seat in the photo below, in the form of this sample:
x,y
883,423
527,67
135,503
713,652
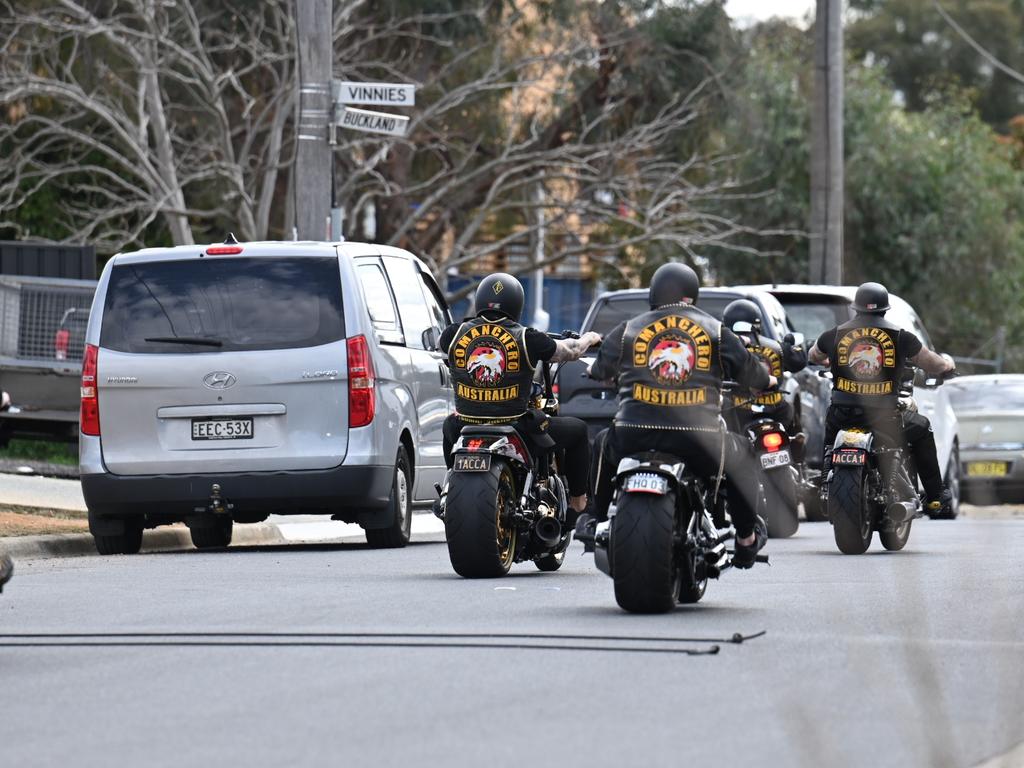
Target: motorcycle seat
x,y
488,429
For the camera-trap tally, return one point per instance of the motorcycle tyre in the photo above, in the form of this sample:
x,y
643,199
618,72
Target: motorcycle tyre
x,y
643,560
471,522
845,502
782,511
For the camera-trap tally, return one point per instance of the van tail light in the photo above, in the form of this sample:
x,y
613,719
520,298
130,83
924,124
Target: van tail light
x,y
61,340
771,441
361,393
89,416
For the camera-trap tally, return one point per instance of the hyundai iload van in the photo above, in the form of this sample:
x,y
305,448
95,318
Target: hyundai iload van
x,y
224,383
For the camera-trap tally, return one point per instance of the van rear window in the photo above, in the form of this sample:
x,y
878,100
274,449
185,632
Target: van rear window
x,y
221,304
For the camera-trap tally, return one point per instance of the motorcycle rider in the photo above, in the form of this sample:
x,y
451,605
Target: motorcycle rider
x,y
670,363
866,356
743,318
492,357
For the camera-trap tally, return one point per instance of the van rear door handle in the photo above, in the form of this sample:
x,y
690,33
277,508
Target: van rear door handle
x,y
444,379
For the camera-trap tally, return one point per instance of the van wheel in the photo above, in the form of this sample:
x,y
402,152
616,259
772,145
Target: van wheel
x,y
127,543
400,510
211,534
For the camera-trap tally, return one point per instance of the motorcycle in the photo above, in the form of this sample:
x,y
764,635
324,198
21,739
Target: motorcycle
x,y
777,457
663,540
871,485
505,500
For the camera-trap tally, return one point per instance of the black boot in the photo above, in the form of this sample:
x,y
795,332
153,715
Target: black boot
x,y
586,528
745,556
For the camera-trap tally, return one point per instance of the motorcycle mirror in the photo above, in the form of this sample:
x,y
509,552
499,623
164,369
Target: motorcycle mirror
x,y
799,339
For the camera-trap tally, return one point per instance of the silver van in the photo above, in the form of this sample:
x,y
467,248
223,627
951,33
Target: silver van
x,y
224,383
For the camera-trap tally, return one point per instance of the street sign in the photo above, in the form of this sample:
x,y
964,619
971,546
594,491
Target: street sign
x,y
379,94
371,122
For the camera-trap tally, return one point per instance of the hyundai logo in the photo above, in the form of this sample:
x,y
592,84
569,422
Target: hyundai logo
x,y
219,380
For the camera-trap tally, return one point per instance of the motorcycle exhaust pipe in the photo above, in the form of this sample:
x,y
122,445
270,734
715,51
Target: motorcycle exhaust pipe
x,y
901,511
547,531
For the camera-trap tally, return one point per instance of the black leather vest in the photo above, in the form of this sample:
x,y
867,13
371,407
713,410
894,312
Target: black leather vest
x,y
490,370
769,352
671,374
866,363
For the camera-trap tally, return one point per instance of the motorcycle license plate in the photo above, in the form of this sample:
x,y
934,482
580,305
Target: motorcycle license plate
x,y
855,458
472,462
776,459
645,482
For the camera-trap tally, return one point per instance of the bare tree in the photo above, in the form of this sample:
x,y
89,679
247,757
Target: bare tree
x,y
140,109
513,103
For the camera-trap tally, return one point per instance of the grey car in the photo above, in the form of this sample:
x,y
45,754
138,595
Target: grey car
x,y
224,383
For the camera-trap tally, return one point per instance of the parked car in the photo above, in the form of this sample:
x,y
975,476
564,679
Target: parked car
x,y
813,309
42,336
595,402
990,410
224,383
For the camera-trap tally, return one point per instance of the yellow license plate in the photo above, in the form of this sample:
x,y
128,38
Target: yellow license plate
x,y
987,468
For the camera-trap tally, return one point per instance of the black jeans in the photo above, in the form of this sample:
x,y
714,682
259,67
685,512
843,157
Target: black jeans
x,y
702,453
913,429
570,436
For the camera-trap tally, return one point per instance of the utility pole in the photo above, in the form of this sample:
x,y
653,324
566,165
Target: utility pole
x,y
827,178
313,158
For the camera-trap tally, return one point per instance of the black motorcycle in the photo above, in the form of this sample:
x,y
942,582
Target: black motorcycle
x,y
778,459
665,535
872,484
505,501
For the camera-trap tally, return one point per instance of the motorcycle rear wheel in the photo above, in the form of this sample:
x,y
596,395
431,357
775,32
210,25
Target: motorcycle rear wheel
x,y
851,523
643,562
782,513
478,522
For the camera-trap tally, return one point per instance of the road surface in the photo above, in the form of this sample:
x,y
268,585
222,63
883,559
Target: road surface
x,y
908,659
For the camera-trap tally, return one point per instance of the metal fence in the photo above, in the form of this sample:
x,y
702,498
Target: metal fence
x,y
44,319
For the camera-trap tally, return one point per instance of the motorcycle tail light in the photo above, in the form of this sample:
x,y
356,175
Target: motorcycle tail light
x,y
517,443
771,441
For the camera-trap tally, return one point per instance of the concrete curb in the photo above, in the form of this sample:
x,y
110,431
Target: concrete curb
x,y
164,539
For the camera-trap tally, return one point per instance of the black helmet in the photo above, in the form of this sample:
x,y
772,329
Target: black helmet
x,y
501,293
871,299
673,283
742,311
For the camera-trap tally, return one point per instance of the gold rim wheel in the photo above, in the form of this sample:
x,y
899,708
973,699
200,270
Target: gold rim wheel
x,y
506,533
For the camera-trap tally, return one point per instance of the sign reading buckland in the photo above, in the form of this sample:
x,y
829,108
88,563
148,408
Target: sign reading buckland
x,y
371,122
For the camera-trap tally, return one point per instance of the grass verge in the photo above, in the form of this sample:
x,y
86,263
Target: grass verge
x,y
40,450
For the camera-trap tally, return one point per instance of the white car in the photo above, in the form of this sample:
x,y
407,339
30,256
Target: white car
x,y
813,309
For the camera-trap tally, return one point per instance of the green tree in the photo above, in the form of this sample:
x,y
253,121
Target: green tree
x,y
924,56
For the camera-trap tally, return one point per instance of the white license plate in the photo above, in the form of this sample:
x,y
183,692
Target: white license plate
x,y
776,459
645,482
222,429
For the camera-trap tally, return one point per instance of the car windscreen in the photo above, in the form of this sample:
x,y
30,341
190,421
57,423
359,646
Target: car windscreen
x,y
813,315
614,311
986,396
223,304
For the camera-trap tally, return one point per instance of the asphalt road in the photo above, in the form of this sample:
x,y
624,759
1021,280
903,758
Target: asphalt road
x,y
908,659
